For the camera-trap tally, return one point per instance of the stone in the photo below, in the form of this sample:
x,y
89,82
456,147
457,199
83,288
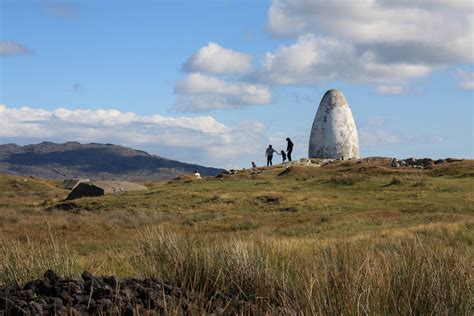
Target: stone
x,y
112,281
26,294
54,295
70,184
86,276
51,276
37,307
99,188
334,133
85,190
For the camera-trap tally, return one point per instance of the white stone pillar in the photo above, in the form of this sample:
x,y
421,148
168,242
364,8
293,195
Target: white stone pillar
x,y
334,133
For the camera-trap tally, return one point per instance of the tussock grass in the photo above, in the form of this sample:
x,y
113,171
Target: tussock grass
x,y
24,260
299,243
401,276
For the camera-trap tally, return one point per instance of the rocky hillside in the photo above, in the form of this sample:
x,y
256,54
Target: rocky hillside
x,y
94,161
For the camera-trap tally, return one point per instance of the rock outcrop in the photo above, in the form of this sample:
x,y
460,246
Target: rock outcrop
x,y
334,133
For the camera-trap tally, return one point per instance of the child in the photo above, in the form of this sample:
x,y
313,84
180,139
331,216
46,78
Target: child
x,y
283,155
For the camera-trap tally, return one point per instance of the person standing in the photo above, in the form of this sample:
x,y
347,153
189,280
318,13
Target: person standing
x,y
283,155
289,148
269,153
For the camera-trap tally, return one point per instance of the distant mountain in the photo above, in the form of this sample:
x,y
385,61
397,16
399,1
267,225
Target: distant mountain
x,y
94,161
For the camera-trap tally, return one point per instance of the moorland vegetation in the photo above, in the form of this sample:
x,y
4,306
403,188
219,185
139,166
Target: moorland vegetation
x,y
346,238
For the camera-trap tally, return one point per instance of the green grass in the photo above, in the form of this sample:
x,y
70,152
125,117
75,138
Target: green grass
x,y
346,238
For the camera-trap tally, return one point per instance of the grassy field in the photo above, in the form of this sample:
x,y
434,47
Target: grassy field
x,y
345,238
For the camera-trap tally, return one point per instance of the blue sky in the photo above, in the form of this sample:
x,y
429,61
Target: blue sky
x,y
214,82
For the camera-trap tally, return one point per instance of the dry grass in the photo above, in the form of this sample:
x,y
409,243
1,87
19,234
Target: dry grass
x,y
341,239
399,276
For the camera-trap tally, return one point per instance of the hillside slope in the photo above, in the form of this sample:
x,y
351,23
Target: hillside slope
x,y
306,239
95,161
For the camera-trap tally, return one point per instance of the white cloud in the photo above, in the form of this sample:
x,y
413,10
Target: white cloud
x,y
373,137
467,79
208,85
215,59
192,139
314,60
368,21
375,41
9,48
391,89
376,132
200,92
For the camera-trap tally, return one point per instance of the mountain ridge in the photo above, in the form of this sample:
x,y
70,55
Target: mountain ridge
x,y
93,160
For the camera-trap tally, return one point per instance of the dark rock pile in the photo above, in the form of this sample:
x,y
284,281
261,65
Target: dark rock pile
x,y
108,295
423,163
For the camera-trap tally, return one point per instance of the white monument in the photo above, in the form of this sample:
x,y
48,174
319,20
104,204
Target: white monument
x,y
334,133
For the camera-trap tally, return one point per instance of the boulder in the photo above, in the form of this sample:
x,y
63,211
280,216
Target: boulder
x,y
99,188
85,190
69,184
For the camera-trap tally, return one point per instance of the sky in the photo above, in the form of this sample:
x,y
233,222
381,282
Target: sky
x,y
215,82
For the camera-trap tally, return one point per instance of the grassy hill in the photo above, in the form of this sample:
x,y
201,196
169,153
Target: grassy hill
x,y
348,237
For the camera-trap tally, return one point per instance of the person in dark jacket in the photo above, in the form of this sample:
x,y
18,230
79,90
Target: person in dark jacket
x,y
289,148
269,153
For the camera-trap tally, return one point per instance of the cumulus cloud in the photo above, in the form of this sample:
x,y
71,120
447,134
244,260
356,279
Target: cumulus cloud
x,y
209,84
10,48
377,41
215,59
315,60
467,79
198,93
380,21
193,139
